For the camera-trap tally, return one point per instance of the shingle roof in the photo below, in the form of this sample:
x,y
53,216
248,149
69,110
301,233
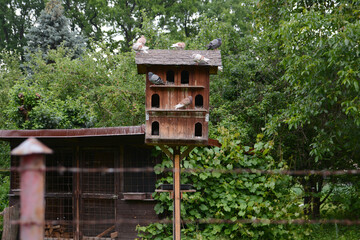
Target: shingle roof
x,y
176,57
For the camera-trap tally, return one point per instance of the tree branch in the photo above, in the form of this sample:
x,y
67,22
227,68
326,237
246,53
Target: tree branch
x,y
326,197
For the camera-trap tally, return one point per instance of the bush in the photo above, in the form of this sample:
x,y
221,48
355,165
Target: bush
x,y
229,196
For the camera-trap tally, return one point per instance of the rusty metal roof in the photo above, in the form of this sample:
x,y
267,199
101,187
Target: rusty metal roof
x,y
94,133
177,58
73,133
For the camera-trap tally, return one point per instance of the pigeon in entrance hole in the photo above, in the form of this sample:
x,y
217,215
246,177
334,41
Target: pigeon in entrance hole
x,y
155,79
214,44
198,58
185,102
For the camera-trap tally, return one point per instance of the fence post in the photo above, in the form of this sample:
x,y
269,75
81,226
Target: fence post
x,y
32,181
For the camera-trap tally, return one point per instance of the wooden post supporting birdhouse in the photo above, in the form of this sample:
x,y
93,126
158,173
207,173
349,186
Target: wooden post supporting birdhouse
x,y
177,105
176,184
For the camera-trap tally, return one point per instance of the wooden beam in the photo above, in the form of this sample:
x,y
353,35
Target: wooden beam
x,y
166,151
185,153
114,235
106,231
177,196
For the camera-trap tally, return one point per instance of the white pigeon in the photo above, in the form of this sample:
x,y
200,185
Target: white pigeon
x,y
198,58
139,47
142,40
155,79
178,45
185,102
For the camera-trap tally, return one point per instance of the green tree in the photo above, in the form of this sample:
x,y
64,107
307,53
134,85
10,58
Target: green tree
x,y
15,18
316,46
127,16
89,17
101,89
51,31
295,76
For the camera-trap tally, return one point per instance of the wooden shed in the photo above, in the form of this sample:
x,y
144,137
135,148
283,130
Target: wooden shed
x,y
183,78
93,205
95,198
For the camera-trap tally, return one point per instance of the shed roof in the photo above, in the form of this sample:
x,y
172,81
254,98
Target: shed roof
x,y
73,133
129,135
177,58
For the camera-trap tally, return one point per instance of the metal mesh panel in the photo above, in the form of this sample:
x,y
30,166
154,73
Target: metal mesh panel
x,y
98,182
55,181
15,175
142,181
59,209
95,207
97,210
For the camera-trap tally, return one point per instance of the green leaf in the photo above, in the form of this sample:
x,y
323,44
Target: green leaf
x,y
203,207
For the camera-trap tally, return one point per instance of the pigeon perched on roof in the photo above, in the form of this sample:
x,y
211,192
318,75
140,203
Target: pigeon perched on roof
x,y
155,79
139,47
142,40
214,44
178,45
185,102
198,58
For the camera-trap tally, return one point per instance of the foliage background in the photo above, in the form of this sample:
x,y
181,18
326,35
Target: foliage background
x,y
289,92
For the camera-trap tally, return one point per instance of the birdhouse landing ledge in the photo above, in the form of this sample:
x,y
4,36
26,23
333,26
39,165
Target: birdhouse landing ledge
x,y
177,94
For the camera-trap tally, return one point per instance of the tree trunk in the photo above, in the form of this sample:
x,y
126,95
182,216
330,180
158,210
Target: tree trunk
x,y
317,188
316,207
307,197
312,187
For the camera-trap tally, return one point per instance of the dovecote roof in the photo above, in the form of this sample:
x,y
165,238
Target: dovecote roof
x,y
177,58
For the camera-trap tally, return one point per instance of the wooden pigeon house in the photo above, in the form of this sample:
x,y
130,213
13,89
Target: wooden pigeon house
x,y
183,78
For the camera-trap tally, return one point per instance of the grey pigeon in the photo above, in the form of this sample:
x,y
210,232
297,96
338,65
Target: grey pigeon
x,y
214,44
185,102
155,79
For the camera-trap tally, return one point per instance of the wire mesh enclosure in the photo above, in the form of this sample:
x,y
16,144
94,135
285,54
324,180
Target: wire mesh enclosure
x,y
57,182
98,191
58,196
97,210
139,181
98,182
60,210
89,202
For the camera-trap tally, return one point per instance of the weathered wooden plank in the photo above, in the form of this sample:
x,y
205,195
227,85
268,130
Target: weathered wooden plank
x,y
10,231
99,196
106,231
114,235
134,196
139,210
